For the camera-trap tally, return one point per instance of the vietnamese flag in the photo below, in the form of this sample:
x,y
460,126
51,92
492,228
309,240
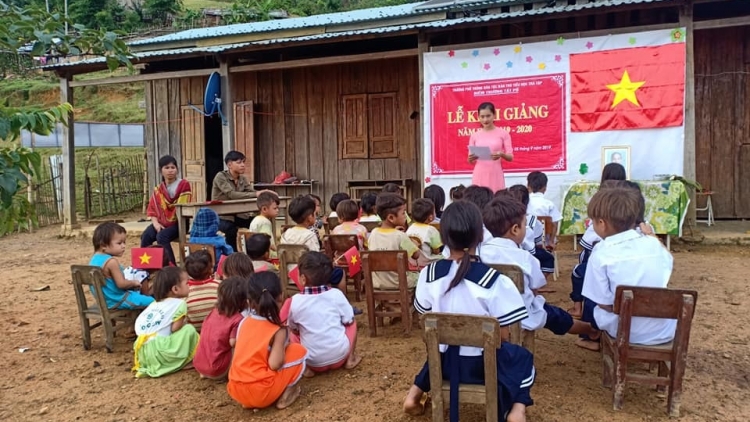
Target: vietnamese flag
x,y
147,258
353,260
294,276
630,88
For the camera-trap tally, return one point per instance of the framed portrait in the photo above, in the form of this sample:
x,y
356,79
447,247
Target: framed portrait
x,y
617,154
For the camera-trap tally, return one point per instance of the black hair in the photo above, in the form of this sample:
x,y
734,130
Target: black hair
x,y
478,195
502,214
437,195
389,203
347,210
537,181
165,279
263,290
258,245
238,264
422,209
461,230
336,198
165,161
391,188
104,233
315,198
316,267
521,193
231,297
486,106
234,156
457,192
265,199
641,203
198,265
613,171
300,208
367,203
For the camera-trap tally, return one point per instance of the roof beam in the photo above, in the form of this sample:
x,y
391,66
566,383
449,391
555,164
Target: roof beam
x,y
144,77
721,23
320,61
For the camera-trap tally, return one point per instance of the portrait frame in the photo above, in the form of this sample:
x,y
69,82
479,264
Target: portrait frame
x,y
617,153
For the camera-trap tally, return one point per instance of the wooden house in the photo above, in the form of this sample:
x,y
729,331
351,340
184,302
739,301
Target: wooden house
x,y
337,97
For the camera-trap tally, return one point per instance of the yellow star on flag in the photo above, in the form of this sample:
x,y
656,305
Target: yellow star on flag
x,y
625,90
354,259
145,258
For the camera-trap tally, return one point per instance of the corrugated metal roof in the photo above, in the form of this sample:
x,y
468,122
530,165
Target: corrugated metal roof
x,y
383,30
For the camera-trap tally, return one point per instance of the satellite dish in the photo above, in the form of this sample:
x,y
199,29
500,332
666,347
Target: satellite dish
x,y
212,98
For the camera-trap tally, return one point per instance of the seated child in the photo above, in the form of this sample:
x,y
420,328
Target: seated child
x,y
319,220
219,333
268,204
457,193
392,210
348,211
437,195
430,243
369,212
203,288
266,367
394,188
238,265
479,196
505,219
323,317
539,206
463,285
624,257
336,198
534,228
119,293
166,342
205,230
302,212
258,250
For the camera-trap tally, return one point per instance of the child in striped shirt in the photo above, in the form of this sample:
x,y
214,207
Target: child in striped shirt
x,y
203,288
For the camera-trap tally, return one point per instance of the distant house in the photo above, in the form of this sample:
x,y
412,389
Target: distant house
x,y
337,97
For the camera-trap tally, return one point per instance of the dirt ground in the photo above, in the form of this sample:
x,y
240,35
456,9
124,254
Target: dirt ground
x,y
56,380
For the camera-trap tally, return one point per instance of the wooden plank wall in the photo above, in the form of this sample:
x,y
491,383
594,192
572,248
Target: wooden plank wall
x,y
297,114
722,109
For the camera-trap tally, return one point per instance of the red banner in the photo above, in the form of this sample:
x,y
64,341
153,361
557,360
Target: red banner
x,y
531,109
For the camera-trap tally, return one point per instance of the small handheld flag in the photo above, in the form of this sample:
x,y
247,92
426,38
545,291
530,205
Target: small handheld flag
x,y
353,260
220,268
147,258
294,276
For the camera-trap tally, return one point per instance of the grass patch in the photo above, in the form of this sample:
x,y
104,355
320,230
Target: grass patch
x,y
206,4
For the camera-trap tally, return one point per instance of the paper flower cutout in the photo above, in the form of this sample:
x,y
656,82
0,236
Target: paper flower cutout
x,y
558,57
427,179
464,65
517,49
589,45
451,53
632,40
475,53
486,66
529,59
677,35
496,52
542,66
509,64
583,169
560,41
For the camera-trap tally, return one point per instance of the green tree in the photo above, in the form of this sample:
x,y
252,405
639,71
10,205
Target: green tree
x,y
161,10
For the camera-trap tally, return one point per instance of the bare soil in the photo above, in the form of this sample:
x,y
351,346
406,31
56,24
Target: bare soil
x,y
56,380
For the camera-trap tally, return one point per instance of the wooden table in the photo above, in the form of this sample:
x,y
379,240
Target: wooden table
x,y
308,185
237,206
359,187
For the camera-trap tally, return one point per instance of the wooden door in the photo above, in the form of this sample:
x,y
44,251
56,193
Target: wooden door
x,y
382,125
353,126
244,135
194,152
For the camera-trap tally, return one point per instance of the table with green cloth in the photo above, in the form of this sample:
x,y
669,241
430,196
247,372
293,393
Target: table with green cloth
x,y
666,206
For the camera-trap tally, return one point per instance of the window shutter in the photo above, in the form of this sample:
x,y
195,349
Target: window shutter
x,y
353,141
244,134
382,125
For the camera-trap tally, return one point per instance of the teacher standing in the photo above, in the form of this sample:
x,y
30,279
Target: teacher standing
x,y
489,173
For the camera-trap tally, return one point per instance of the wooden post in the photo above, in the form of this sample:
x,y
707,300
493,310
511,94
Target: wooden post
x,y
68,153
423,47
227,106
686,21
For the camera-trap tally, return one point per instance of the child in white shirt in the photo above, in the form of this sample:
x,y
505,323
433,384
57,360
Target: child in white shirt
x,y
534,228
437,195
624,257
369,212
302,211
323,318
268,204
336,198
539,206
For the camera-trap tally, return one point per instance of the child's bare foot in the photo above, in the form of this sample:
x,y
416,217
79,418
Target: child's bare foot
x,y
353,361
577,310
290,395
517,413
588,344
308,373
188,367
413,405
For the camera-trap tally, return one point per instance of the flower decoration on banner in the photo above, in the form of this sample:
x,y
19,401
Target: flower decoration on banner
x,y
529,59
559,80
496,52
583,169
486,66
475,53
509,64
632,40
677,35
436,89
517,49
436,168
560,41
451,53
589,45
464,65
542,66
560,164
427,179
558,58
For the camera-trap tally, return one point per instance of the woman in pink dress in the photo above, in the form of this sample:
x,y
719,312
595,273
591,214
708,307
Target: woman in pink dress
x,y
489,173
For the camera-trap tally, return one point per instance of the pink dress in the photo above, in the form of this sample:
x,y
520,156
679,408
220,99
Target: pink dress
x,y
489,173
